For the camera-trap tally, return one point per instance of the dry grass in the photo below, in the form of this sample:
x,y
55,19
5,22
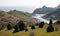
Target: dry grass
x,y
37,32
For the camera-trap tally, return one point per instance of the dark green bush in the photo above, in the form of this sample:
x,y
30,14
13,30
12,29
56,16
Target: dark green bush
x,y
50,28
32,27
9,27
16,29
41,25
21,25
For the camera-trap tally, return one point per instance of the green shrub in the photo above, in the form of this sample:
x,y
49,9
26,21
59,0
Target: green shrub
x,y
21,25
50,28
32,27
16,29
41,25
9,27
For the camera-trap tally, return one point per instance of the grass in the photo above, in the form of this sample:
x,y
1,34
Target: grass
x,y
20,14
37,31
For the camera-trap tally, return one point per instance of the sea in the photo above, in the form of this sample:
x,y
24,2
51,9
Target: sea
x,y
39,16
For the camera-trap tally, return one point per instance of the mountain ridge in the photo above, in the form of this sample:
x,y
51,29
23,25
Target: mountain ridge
x,y
45,10
54,15
13,17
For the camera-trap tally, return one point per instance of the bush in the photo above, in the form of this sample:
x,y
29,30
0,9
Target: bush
x,y
16,29
32,27
9,27
41,25
26,29
50,23
21,25
50,28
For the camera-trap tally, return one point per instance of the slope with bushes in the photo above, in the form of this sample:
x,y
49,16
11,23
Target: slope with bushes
x,y
20,14
6,18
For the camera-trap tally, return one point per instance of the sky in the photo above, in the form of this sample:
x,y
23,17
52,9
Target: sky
x,y
29,3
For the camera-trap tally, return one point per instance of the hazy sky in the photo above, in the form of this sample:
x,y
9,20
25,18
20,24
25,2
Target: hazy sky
x,y
29,3
33,3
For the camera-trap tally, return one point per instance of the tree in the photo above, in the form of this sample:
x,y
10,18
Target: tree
x,y
32,27
16,29
41,25
21,25
9,27
50,23
50,28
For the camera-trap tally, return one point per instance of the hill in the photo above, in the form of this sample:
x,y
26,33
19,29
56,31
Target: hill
x,y
13,17
43,10
54,15
21,15
6,18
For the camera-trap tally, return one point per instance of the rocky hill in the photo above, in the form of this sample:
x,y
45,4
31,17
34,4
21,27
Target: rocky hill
x,y
54,15
6,18
43,10
13,17
20,14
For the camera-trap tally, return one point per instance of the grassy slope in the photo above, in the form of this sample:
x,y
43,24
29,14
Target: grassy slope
x,y
38,32
20,14
7,18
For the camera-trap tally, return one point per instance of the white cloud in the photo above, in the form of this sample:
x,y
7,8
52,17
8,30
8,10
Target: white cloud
x,y
36,3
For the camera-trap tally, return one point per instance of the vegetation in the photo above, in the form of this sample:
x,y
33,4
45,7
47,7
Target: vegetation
x,y
32,27
37,31
1,27
6,18
13,17
20,14
50,28
16,29
9,27
58,22
41,25
21,25
26,29
57,25
37,24
50,23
